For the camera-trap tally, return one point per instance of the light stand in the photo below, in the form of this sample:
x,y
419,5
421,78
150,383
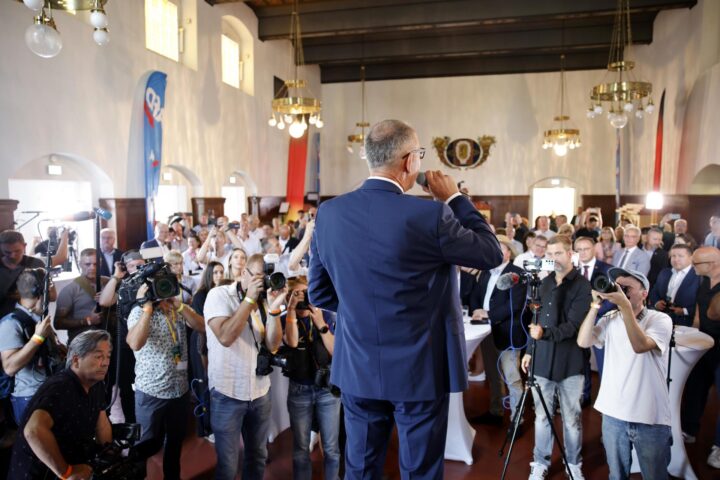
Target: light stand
x,y
531,383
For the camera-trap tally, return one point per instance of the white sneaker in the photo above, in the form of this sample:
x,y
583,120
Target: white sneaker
x,y
714,457
576,471
538,471
210,438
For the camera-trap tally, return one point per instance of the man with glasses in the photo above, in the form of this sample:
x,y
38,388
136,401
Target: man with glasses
x,y
77,302
241,322
386,263
632,257
706,261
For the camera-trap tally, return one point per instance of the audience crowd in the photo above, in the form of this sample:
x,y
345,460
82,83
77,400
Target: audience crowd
x,y
211,347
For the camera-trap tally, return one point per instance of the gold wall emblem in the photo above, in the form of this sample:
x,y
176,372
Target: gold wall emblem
x,y
463,153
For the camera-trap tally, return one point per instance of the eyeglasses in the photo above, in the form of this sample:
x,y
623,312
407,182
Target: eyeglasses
x,y
420,151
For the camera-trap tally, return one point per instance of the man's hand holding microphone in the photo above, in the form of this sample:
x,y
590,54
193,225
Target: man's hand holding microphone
x,y
436,183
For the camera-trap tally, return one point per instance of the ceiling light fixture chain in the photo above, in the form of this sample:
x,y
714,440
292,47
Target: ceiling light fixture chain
x,y
293,104
362,124
623,94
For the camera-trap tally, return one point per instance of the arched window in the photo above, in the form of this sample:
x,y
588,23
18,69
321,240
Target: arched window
x,y
237,55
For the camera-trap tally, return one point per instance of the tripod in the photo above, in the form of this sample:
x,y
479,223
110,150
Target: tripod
x,y
531,383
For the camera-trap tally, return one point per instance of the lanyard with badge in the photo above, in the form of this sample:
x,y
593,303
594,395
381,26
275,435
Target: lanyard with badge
x,y
261,309
173,328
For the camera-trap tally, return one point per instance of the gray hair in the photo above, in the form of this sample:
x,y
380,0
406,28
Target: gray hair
x,y
384,141
86,343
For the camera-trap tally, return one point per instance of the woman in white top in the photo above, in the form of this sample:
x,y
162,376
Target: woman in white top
x,y
214,248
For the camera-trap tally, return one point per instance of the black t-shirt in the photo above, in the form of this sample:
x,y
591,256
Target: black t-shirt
x,y
75,416
704,295
8,281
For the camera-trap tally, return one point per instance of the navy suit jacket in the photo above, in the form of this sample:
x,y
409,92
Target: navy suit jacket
x,y
105,269
386,262
685,297
501,314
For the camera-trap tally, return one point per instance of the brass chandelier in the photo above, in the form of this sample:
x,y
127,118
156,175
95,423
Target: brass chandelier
x,y
43,37
362,124
622,94
290,105
561,139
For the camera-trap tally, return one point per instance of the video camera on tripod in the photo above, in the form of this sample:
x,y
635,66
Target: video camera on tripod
x,y
161,281
530,275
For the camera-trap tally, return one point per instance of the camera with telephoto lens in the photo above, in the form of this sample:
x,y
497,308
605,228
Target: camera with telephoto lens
x,y
605,284
272,280
266,360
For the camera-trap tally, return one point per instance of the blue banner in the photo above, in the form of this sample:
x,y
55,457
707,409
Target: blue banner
x,y
153,107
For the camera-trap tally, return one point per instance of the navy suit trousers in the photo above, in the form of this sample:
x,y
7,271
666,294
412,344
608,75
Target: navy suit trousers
x,y
421,426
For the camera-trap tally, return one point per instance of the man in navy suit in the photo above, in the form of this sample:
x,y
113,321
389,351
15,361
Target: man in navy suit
x,y
503,309
108,253
659,258
591,268
675,291
386,263
632,257
161,235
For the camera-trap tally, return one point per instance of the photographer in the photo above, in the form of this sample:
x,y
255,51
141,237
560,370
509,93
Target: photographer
x,y
243,329
65,415
157,335
60,240
13,262
559,362
634,398
309,395
23,337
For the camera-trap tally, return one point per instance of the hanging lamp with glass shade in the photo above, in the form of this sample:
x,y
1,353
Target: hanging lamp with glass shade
x,y
294,104
620,93
356,137
561,138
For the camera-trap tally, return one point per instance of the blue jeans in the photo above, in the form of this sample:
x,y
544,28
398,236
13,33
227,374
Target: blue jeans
x,y
163,419
509,363
230,419
303,402
19,405
651,442
570,392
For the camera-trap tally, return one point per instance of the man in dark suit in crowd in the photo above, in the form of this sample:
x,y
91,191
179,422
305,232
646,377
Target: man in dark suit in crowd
x,y
591,268
386,262
675,290
160,240
108,253
659,258
503,309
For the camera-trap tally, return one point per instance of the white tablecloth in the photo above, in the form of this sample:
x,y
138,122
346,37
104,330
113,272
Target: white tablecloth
x,y
460,434
690,345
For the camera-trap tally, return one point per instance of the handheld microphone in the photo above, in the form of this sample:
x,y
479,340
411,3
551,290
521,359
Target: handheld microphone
x,y
103,213
422,180
507,280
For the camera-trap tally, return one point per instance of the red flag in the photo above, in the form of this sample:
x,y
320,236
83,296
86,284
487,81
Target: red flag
x,y
297,158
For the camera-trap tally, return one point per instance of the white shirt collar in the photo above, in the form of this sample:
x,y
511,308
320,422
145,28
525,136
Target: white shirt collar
x,y
385,179
684,271
590,264
498,270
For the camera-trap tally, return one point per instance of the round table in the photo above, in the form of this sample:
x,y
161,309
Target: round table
x,y
460,434
690,345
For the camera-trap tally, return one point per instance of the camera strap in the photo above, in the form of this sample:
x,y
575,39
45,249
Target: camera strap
x,y
241,296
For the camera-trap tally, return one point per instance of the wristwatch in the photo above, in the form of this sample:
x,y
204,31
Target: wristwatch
x,y
324,329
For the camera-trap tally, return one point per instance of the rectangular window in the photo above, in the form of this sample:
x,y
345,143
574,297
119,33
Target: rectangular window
x,y
230,61
161,28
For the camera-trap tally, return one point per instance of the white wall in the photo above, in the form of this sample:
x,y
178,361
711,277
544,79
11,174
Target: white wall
x,y
516,109
80,103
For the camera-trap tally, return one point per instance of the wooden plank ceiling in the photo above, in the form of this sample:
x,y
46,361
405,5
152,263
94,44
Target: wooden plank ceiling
x,y
397,39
